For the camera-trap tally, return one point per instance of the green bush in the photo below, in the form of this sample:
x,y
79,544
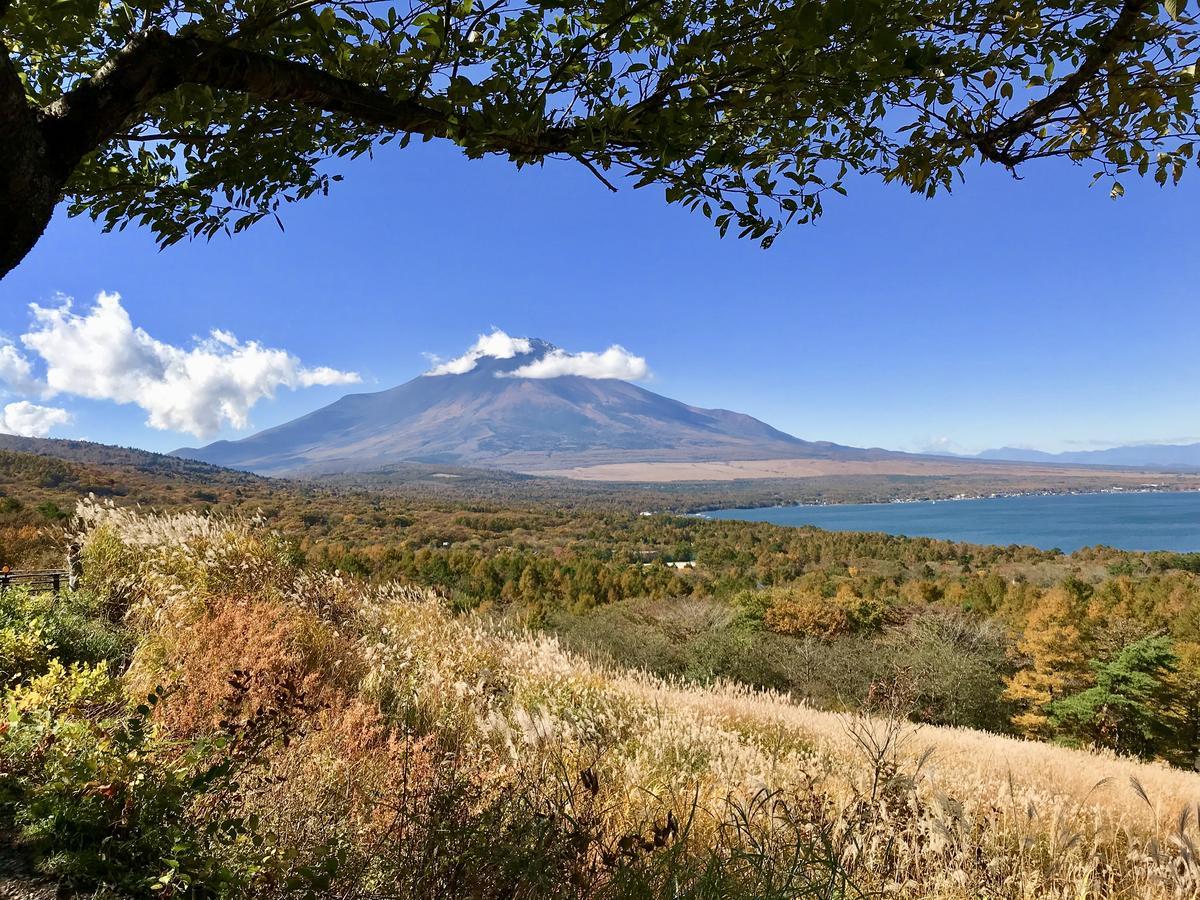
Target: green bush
x,y
109,569
1130,707
87,783
53,512
36,627
108,805
957,664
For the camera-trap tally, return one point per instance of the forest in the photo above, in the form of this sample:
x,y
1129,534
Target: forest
x,y
211,714
1100,648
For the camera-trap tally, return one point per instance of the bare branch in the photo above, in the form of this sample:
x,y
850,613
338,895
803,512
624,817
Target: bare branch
x,y
599,175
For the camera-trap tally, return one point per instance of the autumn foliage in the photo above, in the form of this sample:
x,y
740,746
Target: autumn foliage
x,y
257,729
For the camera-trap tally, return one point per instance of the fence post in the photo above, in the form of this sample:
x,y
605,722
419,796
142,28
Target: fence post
x,y
74,565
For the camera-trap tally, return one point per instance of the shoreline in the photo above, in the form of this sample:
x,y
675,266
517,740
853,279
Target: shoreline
x,y
1146,528
897,501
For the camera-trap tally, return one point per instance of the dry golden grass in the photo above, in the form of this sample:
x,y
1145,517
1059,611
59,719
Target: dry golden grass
x,y
419,704
961,760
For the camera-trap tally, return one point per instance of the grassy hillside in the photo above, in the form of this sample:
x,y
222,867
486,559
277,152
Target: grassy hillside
x,y
208,717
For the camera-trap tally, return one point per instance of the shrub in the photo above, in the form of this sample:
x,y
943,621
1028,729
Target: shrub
x,y
107,803
957,665
110,572
802,613
87,787
28,546
36,627
233,659
52,512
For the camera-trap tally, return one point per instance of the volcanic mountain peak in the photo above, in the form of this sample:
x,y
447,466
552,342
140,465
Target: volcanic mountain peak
x,y
505,404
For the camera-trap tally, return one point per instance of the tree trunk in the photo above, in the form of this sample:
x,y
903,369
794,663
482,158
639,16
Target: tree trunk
x,y
30,186
28,194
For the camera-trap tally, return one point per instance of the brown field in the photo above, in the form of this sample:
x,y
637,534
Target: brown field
x,y
733,470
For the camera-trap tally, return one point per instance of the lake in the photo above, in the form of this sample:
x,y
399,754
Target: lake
x,y
1149,521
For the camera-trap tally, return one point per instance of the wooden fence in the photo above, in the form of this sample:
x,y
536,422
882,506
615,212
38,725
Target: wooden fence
x,y
39,580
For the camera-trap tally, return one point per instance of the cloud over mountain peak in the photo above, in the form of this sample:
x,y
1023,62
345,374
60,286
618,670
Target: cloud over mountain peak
x,y
615,362
549,361
495,345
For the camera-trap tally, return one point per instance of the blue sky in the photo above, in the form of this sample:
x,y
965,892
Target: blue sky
x,y
1035,312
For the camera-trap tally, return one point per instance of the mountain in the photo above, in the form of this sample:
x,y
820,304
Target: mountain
x,y
488,417
1155,456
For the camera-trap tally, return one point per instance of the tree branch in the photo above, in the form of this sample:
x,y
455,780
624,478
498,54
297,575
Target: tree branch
x,y
251,27
587,163
571,58
1068,90
156,62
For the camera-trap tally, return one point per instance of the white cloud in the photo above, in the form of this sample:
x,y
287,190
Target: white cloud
x,y
615,362
496,345
16,372
30,420
102,356
939,446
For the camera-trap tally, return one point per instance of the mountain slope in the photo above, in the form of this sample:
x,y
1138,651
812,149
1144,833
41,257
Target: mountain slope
x,y
125,462
1164,456
487,417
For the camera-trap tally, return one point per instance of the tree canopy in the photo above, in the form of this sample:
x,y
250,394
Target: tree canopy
x,y
192,117
1128,708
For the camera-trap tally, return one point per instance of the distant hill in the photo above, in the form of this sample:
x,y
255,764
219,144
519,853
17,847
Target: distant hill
x,y
129,458
42,480
488,417
1156,456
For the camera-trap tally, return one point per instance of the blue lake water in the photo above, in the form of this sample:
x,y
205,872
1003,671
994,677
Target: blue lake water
x,y
1129,521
